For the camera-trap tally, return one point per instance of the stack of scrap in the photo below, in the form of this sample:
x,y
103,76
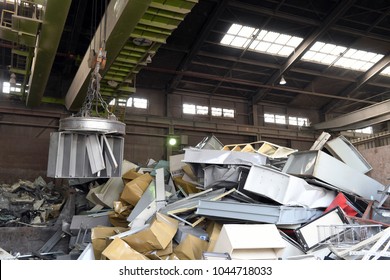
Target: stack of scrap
x,y
29,203
248,201
243,201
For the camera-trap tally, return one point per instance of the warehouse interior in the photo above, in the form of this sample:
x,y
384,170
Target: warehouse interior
x,y
233,71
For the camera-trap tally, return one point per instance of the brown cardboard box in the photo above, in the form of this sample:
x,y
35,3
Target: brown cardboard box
x,y
156,236
99,237
186,186
130,175
118,217
191,248
213,230
157,254
120,250
134,189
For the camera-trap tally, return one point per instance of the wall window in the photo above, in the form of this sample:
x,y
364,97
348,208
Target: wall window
x,y
193,109
281,119
202,110
7,88
367,130
269,118
216,112
222,112
140,103
298,121
189,109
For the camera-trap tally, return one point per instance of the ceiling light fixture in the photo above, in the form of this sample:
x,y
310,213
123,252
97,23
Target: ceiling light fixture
x,y
12,79
112,83
282,81
142,42
149,59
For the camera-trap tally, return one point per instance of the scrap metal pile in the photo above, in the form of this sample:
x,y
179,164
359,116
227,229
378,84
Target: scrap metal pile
x,y
246,201
29,203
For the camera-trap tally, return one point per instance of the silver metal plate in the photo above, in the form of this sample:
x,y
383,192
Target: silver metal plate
x,y
101,125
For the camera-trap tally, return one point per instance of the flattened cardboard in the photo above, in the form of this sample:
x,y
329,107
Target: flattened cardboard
x,y
186,186
156,236
99,237
250,241
120,250
130,175
190,172
191,248
122,210
133,190
213,229
158,254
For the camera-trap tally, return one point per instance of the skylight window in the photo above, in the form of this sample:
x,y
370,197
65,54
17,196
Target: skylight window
x,y
260,40
330,54
274,43
386,71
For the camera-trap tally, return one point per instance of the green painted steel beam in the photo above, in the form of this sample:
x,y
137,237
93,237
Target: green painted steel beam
x,y
149,35
122,18
132,53
164,13
161,22
177,6
127,89
18,71
8,34
132,47
19,52
29,59
55,14
114,78
25,25
154,20
156,30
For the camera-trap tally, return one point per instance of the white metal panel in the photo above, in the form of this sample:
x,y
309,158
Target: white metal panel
x,y
286,189
342,149
223,157
326,168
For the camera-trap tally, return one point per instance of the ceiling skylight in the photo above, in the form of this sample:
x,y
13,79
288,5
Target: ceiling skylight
x,y
386,71
260,40
275,43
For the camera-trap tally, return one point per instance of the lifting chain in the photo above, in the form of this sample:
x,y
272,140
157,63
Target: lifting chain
x,y
93,96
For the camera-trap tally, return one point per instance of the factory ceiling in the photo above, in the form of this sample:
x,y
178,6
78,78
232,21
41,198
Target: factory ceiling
x,y
334,55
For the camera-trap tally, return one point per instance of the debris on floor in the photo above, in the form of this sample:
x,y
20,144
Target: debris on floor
x,y
237,201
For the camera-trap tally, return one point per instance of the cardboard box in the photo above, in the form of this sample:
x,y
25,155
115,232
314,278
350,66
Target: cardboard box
x,y
159,254
191,248
213,229
187,187
133,190
250,241
99,237
118,217
130,175
120,250
155,236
